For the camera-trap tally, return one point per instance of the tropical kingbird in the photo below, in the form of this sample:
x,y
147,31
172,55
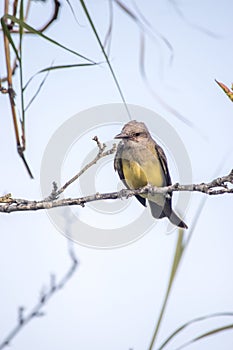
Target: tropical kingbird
x,y
140,161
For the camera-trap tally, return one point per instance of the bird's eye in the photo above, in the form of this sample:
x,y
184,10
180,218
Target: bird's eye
x,y
137,134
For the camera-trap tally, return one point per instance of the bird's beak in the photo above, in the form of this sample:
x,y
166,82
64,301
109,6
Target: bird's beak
x,y
121,136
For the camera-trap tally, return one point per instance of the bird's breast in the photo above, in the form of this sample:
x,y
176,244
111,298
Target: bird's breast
x,y
141,166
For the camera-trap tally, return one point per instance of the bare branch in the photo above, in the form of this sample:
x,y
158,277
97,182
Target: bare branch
x,y
218,186
55,193
57,5
37,311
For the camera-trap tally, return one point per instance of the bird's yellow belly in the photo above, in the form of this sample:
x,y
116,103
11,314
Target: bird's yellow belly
x,y
147,172
139,175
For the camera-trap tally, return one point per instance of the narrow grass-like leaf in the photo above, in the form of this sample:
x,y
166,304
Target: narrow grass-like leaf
x,y
175,264
189,323
52,41
155,33
108,35
37,92
192,24
180,250
72,10
9,37
21,71
177,256
66,66
48,69
172,110
141,26
105,55
126,10
205,335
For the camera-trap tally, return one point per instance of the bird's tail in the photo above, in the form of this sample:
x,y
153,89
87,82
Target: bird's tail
x,y
159,212
176,220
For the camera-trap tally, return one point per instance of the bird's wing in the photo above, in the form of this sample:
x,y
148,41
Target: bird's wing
x,y
163,161
167,209
119,168
118,163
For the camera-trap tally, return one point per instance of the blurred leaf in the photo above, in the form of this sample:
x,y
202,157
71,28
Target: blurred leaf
x,y
205,31
108,35
228,92
105,55
207,334
189,323
175,264
154,32
177,256
72,10
127,10
141,26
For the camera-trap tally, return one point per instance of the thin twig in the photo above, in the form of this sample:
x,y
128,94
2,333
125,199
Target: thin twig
x,y
54,17
37,311
216,187
57,5
100,155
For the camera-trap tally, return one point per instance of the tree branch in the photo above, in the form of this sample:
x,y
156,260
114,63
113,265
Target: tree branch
x,y
217,186
101,154
37,311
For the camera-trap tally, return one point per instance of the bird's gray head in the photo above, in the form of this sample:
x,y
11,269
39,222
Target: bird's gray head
x,y
134,131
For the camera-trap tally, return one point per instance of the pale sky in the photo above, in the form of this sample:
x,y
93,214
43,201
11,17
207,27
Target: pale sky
x,y
114,298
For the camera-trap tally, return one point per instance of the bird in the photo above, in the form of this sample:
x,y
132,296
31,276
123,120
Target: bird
x,y
140,161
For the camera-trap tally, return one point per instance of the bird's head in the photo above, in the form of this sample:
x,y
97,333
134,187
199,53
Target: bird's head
x,y
134,131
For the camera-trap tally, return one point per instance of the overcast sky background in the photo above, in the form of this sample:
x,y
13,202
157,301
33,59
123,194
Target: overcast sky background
x,y
114,298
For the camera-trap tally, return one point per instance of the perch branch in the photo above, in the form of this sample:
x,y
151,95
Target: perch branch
x,y
217,186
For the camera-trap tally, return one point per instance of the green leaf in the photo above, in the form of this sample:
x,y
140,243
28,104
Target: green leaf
x,y
21,66
48,69
105,55
34,31
37,92
9,37
66,66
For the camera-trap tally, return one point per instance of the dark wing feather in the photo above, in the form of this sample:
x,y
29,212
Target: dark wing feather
x,y
118,163
163,161
118,167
